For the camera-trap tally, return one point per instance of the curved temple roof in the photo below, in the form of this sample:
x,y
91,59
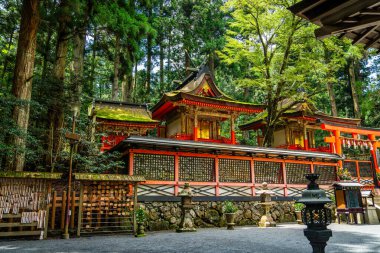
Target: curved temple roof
x,y
199,89
121,111
154,143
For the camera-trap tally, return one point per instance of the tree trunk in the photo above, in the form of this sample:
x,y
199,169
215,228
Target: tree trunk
x,y
148,65
355,99
93,62
78,54
161,65
78,58
22,80
46,54
56,109
330,89
211,62
149,56
115,85
6,58
124,88
161,50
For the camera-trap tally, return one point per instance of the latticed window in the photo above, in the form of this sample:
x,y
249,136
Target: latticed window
x,y
154,167
232,170
269,172
295,173
327,173
351,167
196,169
365,169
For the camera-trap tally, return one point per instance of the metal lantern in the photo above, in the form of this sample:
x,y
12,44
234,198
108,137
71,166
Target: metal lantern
x,y
315,215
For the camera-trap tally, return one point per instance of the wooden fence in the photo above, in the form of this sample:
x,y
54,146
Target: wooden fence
x,y
57,210
224,175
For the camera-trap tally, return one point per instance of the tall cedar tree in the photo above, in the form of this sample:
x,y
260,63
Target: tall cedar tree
x,y
22,81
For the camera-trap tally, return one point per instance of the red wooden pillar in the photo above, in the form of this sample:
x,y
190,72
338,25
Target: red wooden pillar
x,y
195,130
252,164
357,170
217,176
233,138
130,171
338,145
372,138
305,140
176,174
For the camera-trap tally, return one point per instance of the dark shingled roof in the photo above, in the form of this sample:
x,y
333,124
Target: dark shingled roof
x,y
358,20
197,146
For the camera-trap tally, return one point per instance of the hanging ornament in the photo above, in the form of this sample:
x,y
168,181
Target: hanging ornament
x,y
344,143
370,146
366,145
348,143
355,145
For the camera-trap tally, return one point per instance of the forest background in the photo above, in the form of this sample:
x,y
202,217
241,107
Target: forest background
x,y
56,56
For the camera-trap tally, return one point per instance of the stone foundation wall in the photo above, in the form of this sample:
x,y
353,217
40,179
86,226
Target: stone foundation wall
x,y
167,215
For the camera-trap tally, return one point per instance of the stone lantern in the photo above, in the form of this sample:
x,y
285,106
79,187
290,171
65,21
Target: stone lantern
x,y
315,215
266,201
187,223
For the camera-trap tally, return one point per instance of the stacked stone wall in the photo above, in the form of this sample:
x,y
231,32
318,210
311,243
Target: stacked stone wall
x,y
167,215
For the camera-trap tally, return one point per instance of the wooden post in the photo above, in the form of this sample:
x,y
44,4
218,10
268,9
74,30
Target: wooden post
x,y
72,209
217,176
176,173
63,205
130,171
130,164
233,139
283,167
338,145
134,207
46,223
183,122
80,209
53,210
357,170
372,138
305,139
195,130
252,177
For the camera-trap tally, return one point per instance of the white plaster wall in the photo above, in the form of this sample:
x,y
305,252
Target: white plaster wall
x,y
279,138
173,127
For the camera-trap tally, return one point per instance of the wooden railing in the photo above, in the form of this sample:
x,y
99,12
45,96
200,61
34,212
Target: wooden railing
x,y
223,175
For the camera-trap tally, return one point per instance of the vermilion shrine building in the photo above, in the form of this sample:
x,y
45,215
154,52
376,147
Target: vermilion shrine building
x,y
190,146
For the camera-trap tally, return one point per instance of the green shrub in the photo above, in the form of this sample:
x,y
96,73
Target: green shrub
x,y
229,207
298,206
140,215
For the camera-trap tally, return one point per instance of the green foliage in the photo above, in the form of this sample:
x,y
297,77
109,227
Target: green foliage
x,y
344,174
298,207
229,207
140,215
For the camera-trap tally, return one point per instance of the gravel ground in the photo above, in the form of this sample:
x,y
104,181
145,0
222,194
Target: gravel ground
x,y
285,238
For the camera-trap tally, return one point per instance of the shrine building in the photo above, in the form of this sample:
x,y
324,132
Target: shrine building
x,y
115,121
191,144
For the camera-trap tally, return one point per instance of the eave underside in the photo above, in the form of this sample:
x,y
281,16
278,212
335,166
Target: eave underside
x,y
358,20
